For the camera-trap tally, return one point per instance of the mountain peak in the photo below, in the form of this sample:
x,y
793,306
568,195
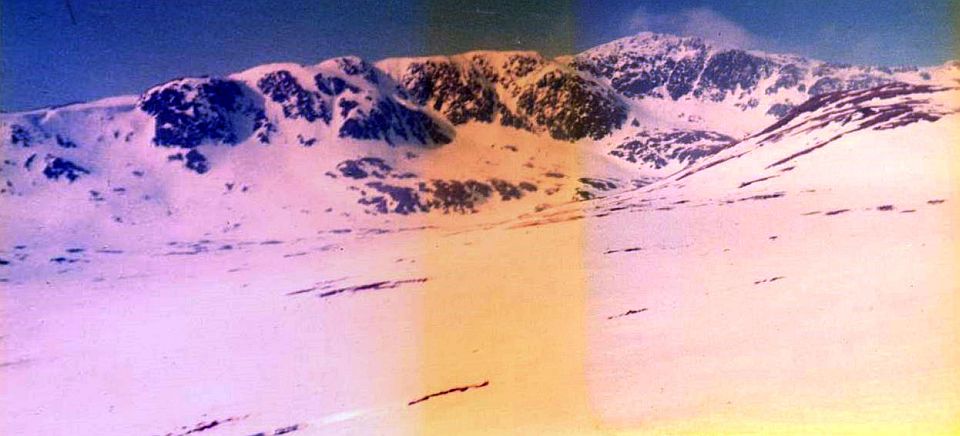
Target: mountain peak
x,y
651,42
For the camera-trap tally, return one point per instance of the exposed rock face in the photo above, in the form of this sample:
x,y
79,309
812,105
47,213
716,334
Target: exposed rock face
x,y
385,191
517,89
282,88
342,94
461,95
389,120
658,149
732,70
591,187
571,107
349,95
58,167
189,112
354,66
19,135
364,167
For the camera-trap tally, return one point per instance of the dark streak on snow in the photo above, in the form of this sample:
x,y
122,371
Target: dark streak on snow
x,y
376,286
203,425
770,280
628,313
625,250
281,430
16,362
763,196
745,184
449,391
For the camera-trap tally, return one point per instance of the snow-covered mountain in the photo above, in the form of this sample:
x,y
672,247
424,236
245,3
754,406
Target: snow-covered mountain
x,y
748,88
504,132
656,235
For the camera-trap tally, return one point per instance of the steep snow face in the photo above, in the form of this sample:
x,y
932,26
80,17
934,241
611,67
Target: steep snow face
x,y
517,89
756,88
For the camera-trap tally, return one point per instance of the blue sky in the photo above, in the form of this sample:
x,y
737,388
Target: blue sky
x,y
59,51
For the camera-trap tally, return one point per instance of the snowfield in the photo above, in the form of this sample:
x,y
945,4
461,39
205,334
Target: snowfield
x,y
801,279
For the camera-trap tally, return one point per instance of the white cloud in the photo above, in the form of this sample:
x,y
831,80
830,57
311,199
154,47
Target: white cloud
x,y
703,22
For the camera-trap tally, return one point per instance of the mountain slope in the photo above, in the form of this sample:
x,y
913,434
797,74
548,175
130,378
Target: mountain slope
x,y
225,256
801,281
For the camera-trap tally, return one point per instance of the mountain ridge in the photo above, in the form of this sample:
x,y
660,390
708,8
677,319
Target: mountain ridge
x,y
563,59
412,135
